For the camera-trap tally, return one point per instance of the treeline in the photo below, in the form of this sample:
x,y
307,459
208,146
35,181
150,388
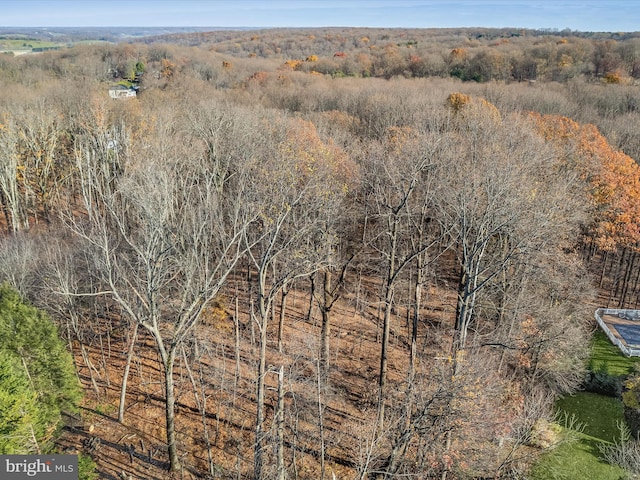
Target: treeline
x,y
582,96
479,55
453,223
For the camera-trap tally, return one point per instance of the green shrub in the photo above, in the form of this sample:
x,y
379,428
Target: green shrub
x,y
602,382
545,434
86,468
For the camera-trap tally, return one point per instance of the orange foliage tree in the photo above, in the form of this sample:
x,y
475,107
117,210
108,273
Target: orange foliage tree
x,y
168,68
613,178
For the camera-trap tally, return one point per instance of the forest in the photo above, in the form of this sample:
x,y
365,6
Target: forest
x,y
319,253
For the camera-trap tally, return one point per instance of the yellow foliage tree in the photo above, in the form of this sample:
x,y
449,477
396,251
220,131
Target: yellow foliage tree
x,y
293,64
456,101
467,105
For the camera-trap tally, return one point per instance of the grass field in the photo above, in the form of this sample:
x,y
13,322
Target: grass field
x,y
599,415
598,418
606,356
577,459
27,44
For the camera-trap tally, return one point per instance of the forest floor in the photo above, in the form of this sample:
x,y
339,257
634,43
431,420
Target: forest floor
x,y
216,383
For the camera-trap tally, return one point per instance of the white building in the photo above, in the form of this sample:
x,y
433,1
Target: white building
x,y
120,91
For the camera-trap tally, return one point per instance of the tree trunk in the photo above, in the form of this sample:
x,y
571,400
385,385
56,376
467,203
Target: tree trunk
x,y
92,370
325,331
321,422
382,380
236,377
386,327
312,289
417,304
402,440
627,279
125,374
260,393
280,425
168,359
5,211
462,309
635,287
615,272
620,272
605,257
283,304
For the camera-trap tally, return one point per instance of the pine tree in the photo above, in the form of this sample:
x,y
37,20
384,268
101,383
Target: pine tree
x,y
18,409
37,381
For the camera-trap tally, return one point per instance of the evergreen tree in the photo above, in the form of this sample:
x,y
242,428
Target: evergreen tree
x,y
19,414
37,381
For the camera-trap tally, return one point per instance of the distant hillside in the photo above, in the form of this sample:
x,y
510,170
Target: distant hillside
x,y
111,34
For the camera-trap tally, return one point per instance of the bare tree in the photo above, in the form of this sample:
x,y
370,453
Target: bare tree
x,y
14,204
65,276
494,182
19,262
165,224
41,134
395,184
333,277
289,238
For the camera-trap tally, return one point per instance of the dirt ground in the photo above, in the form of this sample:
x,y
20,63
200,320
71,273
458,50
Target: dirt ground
x,y
216,390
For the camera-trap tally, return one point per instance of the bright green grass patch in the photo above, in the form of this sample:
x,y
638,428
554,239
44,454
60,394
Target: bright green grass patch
x,y
579,458
575,460
598,414
605,356
599,417
126,83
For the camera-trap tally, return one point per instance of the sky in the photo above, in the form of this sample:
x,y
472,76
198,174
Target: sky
x,y
580,15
